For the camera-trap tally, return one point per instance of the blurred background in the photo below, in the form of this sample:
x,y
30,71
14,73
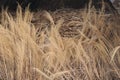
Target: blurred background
x,y
116,3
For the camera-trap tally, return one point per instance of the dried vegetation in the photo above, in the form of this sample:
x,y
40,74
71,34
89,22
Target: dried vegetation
x,y
60,45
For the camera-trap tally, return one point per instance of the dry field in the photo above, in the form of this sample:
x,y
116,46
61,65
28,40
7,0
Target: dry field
x,y
62,45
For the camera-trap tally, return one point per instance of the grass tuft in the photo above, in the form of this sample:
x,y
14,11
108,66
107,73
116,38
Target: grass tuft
x,y
60,45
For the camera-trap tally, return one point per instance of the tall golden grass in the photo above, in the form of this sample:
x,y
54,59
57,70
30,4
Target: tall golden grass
x,y
29,54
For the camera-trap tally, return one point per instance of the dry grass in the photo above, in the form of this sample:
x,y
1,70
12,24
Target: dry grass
x,y
69,45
